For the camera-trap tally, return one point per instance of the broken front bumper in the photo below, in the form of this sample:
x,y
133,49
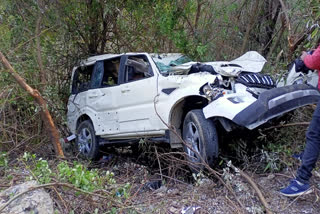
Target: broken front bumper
x,y
270,104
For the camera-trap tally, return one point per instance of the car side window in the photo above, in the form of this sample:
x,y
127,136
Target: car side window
x,y
137,68
111,69
82,79
97,74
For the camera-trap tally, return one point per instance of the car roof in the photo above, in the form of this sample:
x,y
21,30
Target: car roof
x,y
93,59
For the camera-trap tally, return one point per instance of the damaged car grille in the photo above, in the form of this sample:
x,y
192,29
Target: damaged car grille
x,y
256,80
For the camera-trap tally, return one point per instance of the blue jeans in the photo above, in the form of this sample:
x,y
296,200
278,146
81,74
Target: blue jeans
x,y
312,150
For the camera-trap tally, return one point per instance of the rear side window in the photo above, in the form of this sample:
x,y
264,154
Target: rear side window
x,y
81,79
103,73
111,69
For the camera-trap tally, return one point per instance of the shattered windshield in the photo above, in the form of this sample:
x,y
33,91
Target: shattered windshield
x,y
165,62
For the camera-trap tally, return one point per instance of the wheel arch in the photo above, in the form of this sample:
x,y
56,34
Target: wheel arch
x,y
82,118
178,112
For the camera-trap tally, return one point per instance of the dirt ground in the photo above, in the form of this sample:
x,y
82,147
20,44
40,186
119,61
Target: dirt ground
x,y
208,195
173,189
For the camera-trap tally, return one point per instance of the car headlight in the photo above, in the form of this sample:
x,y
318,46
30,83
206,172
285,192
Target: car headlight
x,y
207,90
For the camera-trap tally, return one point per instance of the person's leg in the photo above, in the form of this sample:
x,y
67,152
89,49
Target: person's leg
x,y
312,150
301,185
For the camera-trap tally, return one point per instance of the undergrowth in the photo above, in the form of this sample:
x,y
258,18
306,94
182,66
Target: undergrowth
x,y
270,148
76,174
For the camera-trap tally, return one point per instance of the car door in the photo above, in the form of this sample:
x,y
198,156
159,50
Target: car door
x,y
101,99
136,96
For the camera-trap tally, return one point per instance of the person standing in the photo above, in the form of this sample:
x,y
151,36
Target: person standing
x,y
300,185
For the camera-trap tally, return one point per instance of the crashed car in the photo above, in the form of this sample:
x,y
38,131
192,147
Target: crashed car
x,y
121,98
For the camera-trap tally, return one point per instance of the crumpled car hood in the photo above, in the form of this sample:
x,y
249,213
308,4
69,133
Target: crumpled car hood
x,y
251,61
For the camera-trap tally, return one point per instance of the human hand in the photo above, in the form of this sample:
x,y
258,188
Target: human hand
x,y
303,55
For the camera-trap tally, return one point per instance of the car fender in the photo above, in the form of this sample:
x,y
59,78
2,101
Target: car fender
x,y
176,88
235,103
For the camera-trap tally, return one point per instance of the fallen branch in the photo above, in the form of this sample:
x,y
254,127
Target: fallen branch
x,y
287,125
160,169
176,180
231,202
255,187
45,114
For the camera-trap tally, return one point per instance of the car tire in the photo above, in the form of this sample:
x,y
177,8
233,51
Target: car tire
x,y
201,135
86,141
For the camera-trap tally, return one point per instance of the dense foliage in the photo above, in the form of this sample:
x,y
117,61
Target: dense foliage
x,y
44,39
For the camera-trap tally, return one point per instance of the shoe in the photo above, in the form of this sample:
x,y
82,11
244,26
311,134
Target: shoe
x,y
296,188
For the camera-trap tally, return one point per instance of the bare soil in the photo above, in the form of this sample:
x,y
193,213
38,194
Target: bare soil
x,y
206,194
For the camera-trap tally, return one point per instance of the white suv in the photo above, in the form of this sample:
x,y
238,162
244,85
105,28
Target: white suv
x,y
121,98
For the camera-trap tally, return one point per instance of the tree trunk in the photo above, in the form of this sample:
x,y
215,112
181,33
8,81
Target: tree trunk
x,y
43,79
252,20
271,24
45,114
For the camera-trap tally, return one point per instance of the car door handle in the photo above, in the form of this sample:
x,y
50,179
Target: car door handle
x,y
125,90
96,94
93,95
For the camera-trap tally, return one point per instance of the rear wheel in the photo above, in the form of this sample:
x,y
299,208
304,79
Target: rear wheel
x,y
86,141
201,138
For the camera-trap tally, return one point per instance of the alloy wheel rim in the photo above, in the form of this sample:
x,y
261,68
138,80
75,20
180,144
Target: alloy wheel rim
x,y
85,141
193,141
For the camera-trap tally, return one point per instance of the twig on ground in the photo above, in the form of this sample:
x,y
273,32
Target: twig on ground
x,y
287,125
233,205
255,187
134,195
173,179
60,197
279,174
160,169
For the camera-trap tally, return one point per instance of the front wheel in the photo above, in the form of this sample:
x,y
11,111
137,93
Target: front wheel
x,y
86,141
201,140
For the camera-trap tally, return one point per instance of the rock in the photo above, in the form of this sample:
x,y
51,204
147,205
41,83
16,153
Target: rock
x,y
205,182
203,197
37,201
271,176
161,192
174,210
173,191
